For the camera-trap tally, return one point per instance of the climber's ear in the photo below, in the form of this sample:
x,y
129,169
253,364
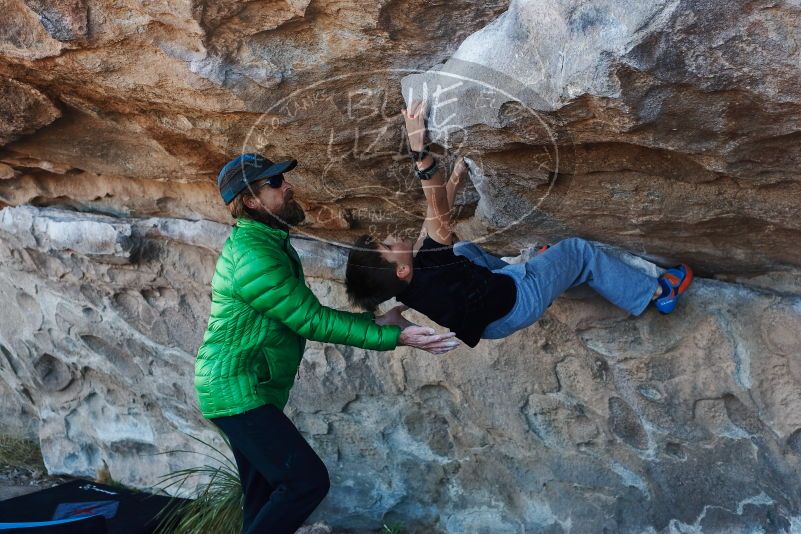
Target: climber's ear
x,y
250,201
403,271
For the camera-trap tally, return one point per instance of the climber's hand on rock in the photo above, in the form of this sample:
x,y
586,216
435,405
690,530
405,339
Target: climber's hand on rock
x,y
415,118
460,171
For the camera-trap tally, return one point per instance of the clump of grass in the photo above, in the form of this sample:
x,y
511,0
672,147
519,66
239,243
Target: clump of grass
x,y
21,453
393,527
103,476
216,503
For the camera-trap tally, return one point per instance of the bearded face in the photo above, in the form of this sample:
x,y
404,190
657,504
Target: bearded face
x,y
289,214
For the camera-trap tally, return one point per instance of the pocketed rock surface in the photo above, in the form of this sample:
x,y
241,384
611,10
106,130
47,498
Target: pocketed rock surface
x,y
587,418
665,128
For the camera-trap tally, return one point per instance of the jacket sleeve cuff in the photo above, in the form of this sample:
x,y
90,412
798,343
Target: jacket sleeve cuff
x,y
390,337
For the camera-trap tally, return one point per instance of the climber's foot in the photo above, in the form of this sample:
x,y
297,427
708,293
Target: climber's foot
x,y
674,283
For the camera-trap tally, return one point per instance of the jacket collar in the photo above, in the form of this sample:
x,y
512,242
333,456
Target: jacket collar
x,y
246,222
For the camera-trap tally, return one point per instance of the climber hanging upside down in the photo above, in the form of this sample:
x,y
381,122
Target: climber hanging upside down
x,y
473,293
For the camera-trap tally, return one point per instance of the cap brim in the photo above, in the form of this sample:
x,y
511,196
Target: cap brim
x,y
275,169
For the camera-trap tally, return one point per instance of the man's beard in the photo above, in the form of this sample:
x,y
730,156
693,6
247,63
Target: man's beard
x,y
289,215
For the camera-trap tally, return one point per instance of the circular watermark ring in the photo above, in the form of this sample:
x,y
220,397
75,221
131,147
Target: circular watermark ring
x,y
315,94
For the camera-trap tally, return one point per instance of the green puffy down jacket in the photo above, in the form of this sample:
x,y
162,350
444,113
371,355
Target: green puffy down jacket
x,y
262,312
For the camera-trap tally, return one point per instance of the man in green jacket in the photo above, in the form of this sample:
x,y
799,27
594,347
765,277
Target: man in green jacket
x,y
262,313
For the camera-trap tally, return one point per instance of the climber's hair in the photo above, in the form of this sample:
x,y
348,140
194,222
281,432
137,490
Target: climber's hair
x,y
369,278
237,205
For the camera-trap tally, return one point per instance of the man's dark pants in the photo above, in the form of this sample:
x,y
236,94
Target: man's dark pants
x,y
283,479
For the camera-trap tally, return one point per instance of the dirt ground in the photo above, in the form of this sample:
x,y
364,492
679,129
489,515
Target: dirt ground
x,y
16,481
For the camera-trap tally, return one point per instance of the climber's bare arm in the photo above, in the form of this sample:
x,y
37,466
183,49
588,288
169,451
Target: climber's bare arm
x,y
437,224
457,178
438,214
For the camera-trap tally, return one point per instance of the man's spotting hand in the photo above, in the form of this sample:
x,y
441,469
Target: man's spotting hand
x,y
427,339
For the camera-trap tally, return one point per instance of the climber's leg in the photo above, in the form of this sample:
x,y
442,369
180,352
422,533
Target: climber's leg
x,y
477,255
567,264
575,261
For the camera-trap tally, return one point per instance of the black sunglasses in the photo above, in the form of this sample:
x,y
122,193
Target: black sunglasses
x,y
273,181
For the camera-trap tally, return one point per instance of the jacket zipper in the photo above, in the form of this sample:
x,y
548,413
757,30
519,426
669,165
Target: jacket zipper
x,y
297,274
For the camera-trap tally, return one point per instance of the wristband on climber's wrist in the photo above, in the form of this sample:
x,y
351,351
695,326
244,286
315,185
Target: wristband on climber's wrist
x,y
426,174
419,155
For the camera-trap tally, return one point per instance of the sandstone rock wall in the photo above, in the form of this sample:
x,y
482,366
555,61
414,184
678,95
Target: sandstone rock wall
x,y
667,128
588,419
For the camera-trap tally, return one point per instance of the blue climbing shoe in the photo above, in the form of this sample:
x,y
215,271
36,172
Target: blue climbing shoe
x,y
674,282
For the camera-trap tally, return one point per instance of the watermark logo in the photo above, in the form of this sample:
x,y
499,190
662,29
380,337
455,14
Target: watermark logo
x,y
358,173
